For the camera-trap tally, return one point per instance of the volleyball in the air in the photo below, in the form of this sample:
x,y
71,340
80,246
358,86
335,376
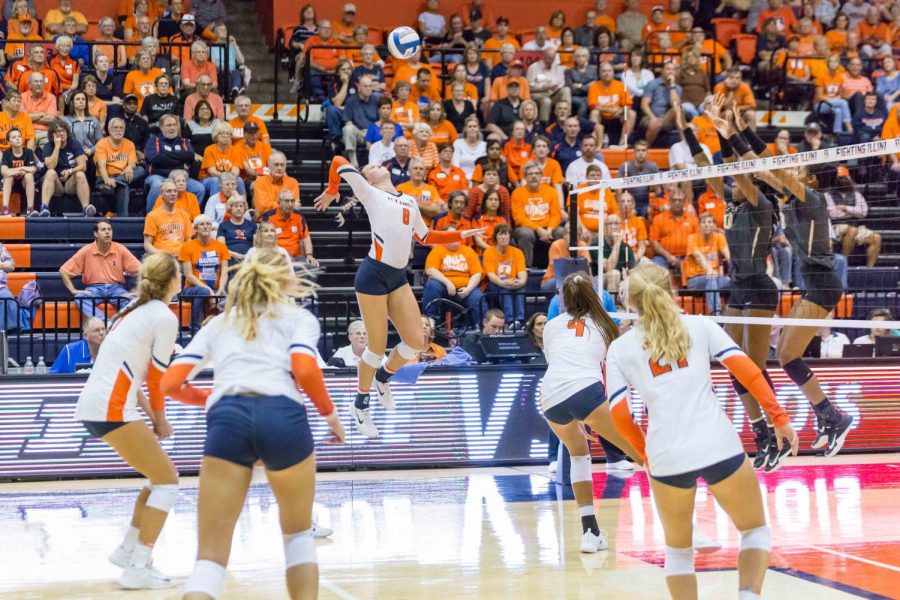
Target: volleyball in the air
x,y
403,42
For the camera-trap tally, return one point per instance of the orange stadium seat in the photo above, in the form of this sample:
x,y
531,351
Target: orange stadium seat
x,y
726,29
57,315
660,156
15,281
21,253
616,157
745,47
692,305
12,228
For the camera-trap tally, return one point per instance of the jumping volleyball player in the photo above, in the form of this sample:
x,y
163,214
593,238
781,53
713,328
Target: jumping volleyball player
x,y
138,347
804,216
382,289
262,417
572,391
666,357
749,226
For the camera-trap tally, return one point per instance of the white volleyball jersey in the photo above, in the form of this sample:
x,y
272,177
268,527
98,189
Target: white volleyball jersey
x,y
259,367
575,350
687,428
146,334
394,219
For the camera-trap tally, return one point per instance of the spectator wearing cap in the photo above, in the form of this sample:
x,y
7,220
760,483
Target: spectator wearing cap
x,y
343,29
484,12
547,82
505,111
475,31
27,31
207,12
204,91
187,35
499,85
350,355
254,155
493,45
136,128
654,27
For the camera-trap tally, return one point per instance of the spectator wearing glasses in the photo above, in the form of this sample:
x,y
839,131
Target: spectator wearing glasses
x,y
204,91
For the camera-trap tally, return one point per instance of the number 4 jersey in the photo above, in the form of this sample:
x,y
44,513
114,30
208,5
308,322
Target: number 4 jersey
x,y
687,428
575,349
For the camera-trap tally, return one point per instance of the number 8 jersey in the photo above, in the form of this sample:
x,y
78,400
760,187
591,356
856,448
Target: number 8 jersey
x,y
575,349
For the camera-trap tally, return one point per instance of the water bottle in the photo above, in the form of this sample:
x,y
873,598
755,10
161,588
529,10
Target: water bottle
x,y
29,367
41,368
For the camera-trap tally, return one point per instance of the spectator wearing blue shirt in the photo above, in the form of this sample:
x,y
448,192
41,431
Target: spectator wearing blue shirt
x,y
373,133
80,51
66,165
84,350
237,233
398,166
868,121
369,67
568,149
657,113
360,111
609,305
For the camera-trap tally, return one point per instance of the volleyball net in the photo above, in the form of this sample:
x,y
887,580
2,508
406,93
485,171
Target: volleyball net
x,y
636,215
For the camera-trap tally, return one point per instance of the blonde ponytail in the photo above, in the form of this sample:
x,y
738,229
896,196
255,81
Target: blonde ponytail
x,y
262,285
660,325
154,279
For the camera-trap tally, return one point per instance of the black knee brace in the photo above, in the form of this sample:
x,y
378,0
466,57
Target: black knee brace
x,y
798,371
740,389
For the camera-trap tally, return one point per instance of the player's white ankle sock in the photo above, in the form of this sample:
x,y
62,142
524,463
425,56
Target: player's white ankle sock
x,y
748,595
142,555
131,537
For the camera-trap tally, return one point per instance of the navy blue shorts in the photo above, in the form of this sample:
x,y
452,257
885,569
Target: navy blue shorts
x,y
98,429
378,279
577,406
244,429
712,474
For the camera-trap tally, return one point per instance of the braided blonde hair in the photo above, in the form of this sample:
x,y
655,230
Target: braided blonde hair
x,y
263,284
154,279
660,325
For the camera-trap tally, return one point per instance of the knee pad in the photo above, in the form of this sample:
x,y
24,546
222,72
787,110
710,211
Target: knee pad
x,y
580,468
407,352
372,359
759,538
768,379
162,496
679,561
798,371
740,389
299,548
208,577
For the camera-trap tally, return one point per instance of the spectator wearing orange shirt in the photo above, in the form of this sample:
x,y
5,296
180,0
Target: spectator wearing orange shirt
x,y
453,218
874,34
322,61
506,274
613,104
204,262
454,273
404,111
35,62
166,229
710,203
221,157
442,130
11,117
828,95
560,249
670,230
27,31
516,150
782,144
66,68
501,37
854,84
422,147
427,198
736,91
489,219
514,73
784,17
536,216
267,187
242,106
106,44
291,231
706,252
186,200
40,105
552,171
445,176
116,160
198,65
254,154
656,25
590,207
142,81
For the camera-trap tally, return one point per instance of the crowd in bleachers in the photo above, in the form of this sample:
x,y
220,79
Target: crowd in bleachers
x,y
534,114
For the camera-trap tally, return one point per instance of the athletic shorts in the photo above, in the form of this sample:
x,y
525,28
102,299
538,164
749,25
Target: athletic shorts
x,y
753,292
712,474
244,429
378,279
98,429
822,286
577,406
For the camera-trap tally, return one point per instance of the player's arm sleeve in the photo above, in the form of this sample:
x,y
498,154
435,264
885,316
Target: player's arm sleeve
x,y
342,169
617,388
160,353
304,367
184,367
723,349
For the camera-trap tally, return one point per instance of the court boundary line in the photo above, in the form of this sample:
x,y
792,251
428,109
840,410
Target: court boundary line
x,y
336,590
830,583
861,559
